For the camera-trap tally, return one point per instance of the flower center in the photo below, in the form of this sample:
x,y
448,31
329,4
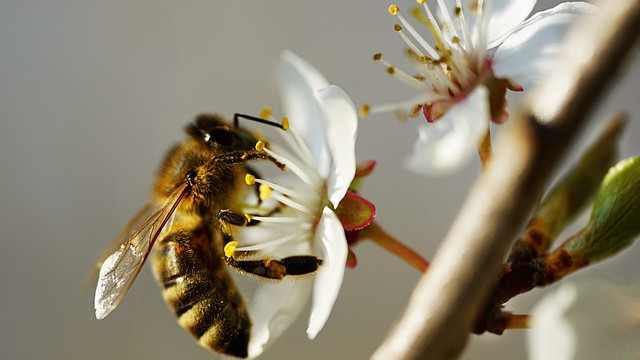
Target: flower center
x,y
448,70
297,196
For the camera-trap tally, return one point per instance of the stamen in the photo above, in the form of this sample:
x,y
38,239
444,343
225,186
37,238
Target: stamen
x,y
285,123
432,25
466,34
456,61
282,220
435,72
364,110
448,57
390,107
425,45
281,189
265,192
404,77
299,147
484,10
446,19
306,157
397,28
230,248
265,113
406,107
291,166
271,243
292,204
249,179
260,145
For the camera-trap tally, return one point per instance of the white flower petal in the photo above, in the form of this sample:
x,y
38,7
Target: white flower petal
x,y
551,336
275,306
446,145
506,15
503,17
297,83
586,320
342,126
529,51
330,236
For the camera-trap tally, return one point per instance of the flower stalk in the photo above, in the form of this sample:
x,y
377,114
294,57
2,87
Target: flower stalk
x,y
484,149
379,236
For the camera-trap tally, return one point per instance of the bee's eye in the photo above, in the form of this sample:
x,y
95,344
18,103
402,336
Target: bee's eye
x,y
221,136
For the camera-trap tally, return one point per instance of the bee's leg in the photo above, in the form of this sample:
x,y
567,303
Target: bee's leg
x,y
267,268
277,269
237,157
253,172
227,217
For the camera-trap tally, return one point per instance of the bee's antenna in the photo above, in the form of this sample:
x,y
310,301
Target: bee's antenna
x,y
237,117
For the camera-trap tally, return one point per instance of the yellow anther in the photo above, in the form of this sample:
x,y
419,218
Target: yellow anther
x,y
415,110
249,217
416,12
249,179
421,2
364,110
474,6
265,192
285,123
230,248
260,145
397,27
265,113
393,9
377,57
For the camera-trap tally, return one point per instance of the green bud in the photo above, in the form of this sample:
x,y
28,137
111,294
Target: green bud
x,y
568,198
615,219
579,186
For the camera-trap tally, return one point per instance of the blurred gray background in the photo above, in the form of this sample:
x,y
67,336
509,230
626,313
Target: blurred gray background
x,y
92,93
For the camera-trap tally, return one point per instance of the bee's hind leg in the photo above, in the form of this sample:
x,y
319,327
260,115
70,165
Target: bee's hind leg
x,y
266,268
277,269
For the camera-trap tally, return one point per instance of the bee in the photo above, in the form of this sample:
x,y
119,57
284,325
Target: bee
x,y
195,204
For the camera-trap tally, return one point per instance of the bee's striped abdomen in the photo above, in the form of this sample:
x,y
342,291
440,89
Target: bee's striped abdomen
x,y
197,287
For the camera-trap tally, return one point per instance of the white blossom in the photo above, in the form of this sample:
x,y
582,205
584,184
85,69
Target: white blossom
x,y
318,149
480,49
586,320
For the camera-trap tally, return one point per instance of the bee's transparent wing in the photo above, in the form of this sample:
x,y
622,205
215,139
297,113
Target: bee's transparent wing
x,y
120,268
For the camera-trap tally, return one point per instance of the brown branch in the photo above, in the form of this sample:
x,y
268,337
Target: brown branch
x,y
450,296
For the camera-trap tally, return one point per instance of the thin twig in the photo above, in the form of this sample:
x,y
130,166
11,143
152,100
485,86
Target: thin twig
x,y
448,299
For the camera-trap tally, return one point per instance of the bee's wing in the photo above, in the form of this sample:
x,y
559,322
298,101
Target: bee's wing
x,y
120,268
134,223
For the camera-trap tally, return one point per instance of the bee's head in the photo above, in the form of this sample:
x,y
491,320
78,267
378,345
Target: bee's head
x,y
217,134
